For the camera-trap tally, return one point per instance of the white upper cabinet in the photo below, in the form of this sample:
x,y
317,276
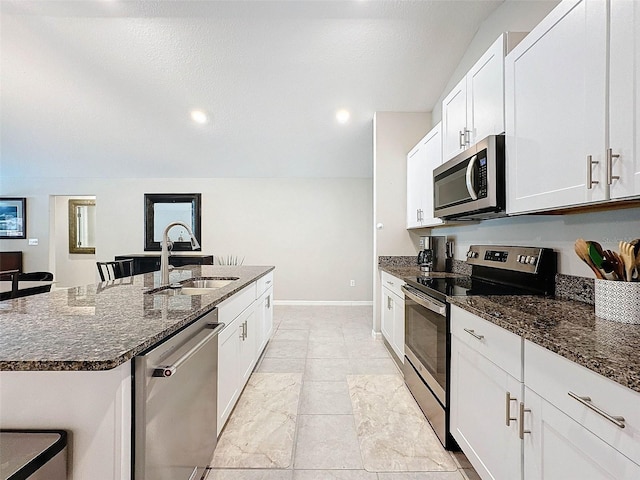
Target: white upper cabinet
x,y
454,121
421,161
624,101
570,140
474,109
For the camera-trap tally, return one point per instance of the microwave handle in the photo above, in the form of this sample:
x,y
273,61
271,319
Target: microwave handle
x,y
470,179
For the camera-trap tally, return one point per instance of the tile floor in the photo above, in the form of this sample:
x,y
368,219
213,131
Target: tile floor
x,y
327,402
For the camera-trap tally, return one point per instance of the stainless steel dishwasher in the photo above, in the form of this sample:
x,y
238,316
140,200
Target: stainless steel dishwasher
x,y
175,390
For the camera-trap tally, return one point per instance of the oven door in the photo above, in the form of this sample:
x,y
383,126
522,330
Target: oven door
x,y
426,339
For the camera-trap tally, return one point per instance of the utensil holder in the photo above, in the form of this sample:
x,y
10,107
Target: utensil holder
x,y
618,301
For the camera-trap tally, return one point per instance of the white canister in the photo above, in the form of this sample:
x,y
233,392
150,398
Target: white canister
x,y
618,301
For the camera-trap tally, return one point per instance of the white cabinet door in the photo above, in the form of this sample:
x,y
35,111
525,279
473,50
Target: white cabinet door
x,y
454,121
387,315
247,346
228,369
432,146
416,180
421,161
624,98
264,320
398,326
485,94
479,410
555,85
559,448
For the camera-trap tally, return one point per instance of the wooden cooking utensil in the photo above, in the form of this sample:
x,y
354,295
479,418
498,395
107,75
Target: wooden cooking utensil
x,y
618,264
582,250
609,264
629,259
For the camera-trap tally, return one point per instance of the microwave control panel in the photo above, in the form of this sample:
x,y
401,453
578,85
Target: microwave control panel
x,y
482,174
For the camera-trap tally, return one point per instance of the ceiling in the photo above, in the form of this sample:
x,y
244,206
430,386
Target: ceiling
x,y
105,88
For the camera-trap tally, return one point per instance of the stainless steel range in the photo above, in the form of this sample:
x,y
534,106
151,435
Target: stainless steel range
x,y
496,270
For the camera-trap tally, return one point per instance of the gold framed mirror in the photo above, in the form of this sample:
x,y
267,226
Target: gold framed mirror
x,y
82,226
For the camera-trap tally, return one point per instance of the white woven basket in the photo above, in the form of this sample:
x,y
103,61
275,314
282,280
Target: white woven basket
x,y
618,301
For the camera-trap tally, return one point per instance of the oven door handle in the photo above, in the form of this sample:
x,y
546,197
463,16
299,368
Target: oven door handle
x,y
433,305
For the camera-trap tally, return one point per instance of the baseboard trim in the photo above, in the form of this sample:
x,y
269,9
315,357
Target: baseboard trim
x,y
339,303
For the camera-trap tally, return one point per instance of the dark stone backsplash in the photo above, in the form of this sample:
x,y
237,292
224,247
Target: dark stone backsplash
x,y
569,287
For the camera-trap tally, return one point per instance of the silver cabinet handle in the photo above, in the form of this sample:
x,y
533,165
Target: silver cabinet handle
x,y
246,328
170,370
586,401
474,334
390,283
242,331
610,156
389,303
470,179
522,431
462,139
508,400
590,163
268,301
268,282
417,214
467,136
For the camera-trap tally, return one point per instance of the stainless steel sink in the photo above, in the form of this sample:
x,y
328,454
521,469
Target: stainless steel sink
x,y
197,286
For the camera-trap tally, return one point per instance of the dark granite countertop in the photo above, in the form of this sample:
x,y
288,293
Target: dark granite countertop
x,y
568,328
98,327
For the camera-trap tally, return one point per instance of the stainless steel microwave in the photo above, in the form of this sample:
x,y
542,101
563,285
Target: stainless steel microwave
x,y
471,186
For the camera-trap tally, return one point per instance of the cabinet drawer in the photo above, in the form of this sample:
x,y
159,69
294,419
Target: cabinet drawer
x,y
264,283
497,344
553,377
234,306
392,283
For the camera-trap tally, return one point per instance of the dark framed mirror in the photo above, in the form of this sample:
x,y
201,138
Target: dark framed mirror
x,y
160,209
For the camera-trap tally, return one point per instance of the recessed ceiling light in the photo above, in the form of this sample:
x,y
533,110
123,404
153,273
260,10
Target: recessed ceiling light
x,y
342,116
199,116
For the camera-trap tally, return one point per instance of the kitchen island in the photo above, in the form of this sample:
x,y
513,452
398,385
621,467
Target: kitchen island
x,y
65,357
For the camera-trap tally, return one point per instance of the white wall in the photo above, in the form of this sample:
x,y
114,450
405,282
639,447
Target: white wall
x,y
511,16
554,231
317,232
70,269
394,135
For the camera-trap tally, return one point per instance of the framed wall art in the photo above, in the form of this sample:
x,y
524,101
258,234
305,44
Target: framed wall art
x,y
13,217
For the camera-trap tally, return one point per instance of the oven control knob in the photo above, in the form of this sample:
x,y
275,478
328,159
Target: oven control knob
x,y
472,254
533,260
520,258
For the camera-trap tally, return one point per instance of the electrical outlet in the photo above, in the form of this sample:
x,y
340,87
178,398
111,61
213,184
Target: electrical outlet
x,y
352,283
33,241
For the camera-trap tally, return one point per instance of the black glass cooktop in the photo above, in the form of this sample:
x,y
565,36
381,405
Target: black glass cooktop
x,y
441,287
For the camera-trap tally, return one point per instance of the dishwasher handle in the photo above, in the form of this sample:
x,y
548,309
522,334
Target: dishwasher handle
x,y
169,370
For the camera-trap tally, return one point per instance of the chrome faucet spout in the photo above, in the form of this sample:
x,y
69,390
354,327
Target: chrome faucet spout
x,y
164,256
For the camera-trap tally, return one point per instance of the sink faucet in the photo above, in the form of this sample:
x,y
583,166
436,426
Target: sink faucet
x,y
164,257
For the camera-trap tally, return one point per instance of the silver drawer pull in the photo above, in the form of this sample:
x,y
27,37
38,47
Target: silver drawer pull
x,y
586,401
508,417
474,334
521,430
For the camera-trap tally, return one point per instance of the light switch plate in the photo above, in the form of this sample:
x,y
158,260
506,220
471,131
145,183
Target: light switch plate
x,y
33,241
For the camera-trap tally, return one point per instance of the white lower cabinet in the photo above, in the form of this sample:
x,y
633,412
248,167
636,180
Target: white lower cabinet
x,y
392,316
556,447
248,319
484,396
264,318
536,430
